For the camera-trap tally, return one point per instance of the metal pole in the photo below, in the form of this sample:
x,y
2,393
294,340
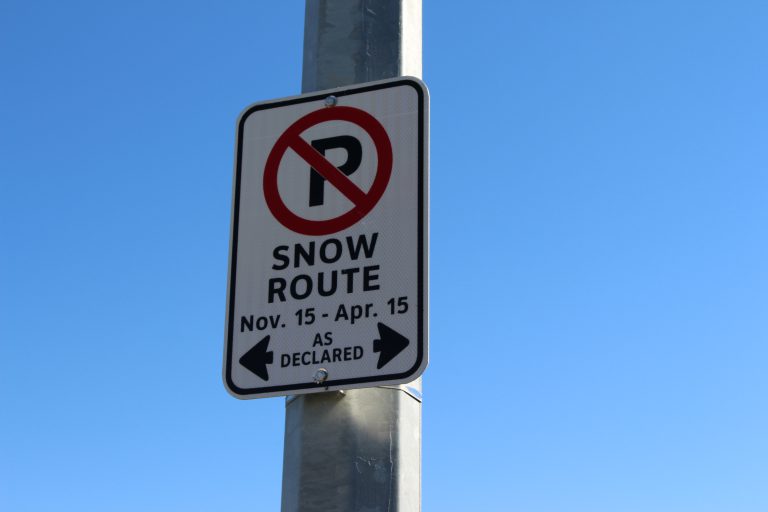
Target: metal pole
x,y
357,451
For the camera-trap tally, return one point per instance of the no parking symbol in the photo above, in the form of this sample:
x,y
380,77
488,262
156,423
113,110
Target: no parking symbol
x,y
336,176
328,256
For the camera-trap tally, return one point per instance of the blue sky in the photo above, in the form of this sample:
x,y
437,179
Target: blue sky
x,y
599,262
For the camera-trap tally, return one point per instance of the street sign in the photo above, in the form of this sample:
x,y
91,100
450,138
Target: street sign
x,y
328,256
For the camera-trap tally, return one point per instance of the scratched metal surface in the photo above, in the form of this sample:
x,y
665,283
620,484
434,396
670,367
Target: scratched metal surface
x,y
358,451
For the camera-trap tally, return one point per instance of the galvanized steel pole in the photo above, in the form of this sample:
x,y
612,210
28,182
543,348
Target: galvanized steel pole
x,y
358,451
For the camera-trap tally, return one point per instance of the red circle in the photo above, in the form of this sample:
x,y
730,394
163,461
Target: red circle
x,y
383,171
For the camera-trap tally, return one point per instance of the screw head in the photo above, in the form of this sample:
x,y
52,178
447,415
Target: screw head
x,y
331,101
320,376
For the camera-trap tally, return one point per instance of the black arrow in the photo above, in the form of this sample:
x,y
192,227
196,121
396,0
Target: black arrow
x,y
390,344
257,359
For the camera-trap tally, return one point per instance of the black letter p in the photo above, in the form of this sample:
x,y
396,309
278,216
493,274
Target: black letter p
x,y
354,157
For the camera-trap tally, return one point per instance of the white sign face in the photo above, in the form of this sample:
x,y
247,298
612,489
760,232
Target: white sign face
x,y
328,256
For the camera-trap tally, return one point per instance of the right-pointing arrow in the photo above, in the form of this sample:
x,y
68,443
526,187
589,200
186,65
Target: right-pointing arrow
x,y
389,345
257,359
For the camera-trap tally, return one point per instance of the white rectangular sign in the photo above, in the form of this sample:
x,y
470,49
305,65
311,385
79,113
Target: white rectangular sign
x,y
328,254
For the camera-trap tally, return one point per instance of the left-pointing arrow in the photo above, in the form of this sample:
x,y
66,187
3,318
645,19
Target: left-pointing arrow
x,y
257,359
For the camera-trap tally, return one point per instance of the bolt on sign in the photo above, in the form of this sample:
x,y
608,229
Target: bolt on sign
x,y
328,253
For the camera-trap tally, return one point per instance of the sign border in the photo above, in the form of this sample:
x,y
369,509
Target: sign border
x,y
422,306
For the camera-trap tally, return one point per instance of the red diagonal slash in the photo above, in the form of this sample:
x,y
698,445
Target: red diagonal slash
x,y
363,202
328,171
